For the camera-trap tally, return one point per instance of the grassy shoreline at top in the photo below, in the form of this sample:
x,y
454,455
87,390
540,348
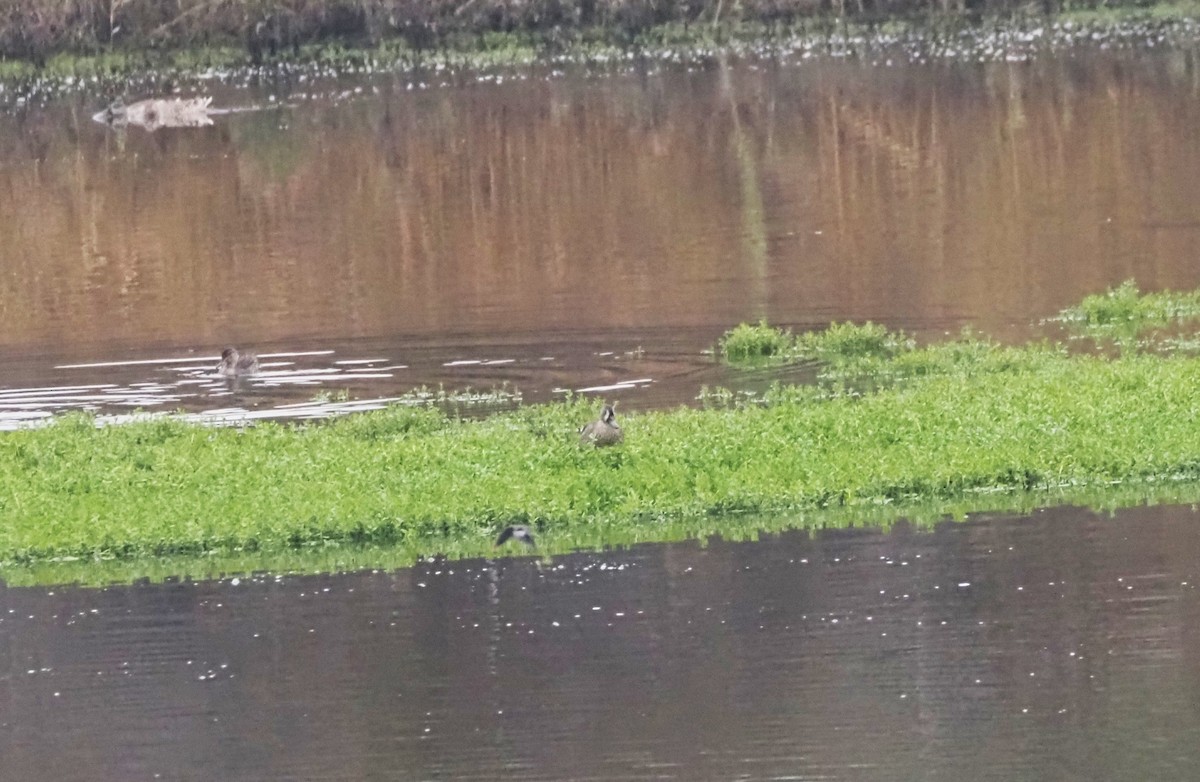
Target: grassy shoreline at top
x,y
942,429
97,61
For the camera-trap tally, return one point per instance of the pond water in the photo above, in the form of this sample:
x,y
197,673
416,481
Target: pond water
x,y
597,234
564,230
1059,645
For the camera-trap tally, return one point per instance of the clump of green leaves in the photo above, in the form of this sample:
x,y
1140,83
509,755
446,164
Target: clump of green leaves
x,y
1124,312
840,343
844,350
970,354
325,396
390,423
848,343
752,344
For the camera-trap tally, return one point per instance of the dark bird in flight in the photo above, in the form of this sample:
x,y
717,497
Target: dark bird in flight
x,y
519,532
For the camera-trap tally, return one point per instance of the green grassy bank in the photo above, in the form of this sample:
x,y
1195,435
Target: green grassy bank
x,y
111,48
963,425
37,29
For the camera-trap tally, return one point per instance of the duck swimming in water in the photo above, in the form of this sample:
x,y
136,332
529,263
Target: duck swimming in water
x,y
604,430
235,364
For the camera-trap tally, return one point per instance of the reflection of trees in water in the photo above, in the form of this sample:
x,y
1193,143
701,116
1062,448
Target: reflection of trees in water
x,y
903,193
753,226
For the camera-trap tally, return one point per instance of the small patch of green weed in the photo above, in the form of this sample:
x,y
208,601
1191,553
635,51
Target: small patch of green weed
x,y
749,344
325,396
849,343
1126,312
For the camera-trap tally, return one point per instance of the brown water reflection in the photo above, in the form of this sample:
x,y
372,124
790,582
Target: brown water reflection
x,y
1061,645
603,214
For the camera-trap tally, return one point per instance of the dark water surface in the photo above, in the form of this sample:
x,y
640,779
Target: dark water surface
x,y
574,231
1062,645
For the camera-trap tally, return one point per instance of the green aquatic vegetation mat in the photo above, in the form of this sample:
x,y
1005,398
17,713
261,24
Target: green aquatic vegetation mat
x,y
421,480
869,357
753,344
1124,314
355,557
891,429
841,345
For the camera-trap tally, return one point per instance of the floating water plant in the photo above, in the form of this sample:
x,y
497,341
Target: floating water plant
x,y
1124,309
752,344
420,477
849,343
971,421
840,343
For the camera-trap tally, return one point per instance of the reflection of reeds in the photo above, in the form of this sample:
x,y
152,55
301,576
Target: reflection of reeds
x,y
554,206
753,211
870,132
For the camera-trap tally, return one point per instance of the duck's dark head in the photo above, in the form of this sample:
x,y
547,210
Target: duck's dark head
x,y
608,415
229,355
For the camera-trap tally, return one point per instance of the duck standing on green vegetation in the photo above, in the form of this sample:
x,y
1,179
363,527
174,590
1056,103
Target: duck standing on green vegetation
x,y
516,531
235,364
603,431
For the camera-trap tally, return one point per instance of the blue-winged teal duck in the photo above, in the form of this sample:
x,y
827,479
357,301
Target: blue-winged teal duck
x,y
518,532
235,364
603,431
